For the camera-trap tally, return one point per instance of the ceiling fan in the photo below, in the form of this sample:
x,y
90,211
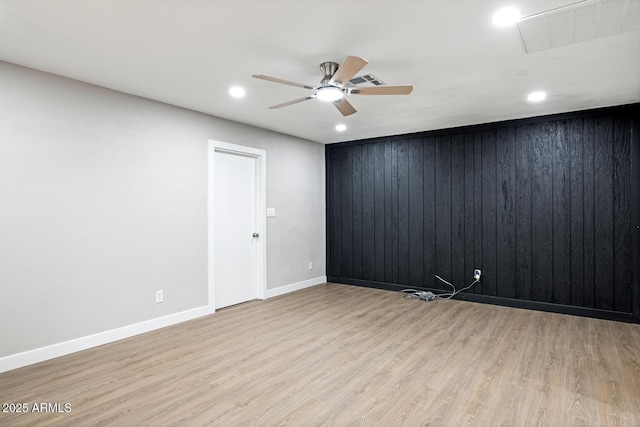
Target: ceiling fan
x,y
335,85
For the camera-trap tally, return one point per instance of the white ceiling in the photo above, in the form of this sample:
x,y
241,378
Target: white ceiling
x,y
190,52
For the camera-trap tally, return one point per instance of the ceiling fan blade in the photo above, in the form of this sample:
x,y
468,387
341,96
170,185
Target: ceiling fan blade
x,y
281,81
382,90
348,69
344,107
295,101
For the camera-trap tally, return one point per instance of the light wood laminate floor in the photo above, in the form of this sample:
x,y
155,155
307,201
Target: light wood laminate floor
x,y
339,355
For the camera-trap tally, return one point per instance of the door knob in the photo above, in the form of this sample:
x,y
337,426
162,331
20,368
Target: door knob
x,y
256,235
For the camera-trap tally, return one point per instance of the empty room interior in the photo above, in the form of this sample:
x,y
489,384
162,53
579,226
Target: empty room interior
x,y
320,213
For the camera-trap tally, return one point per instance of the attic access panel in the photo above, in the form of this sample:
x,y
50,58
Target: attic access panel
x,y
579,22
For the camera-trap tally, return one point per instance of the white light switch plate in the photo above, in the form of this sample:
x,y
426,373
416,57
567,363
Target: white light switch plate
x,y
271,212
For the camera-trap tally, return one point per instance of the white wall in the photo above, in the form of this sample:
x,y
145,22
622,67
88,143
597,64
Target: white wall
x,y
103,200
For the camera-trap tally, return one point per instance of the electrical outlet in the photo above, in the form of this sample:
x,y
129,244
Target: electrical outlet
x,y
476,274
159,297
310,265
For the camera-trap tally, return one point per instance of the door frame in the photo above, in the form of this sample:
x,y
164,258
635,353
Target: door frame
x,y
260,158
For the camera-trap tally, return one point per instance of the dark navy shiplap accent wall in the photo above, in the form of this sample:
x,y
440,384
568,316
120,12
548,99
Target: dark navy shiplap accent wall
x,y
546,207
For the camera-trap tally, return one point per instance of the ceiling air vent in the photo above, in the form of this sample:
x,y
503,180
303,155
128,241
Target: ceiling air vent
x,y
366,78
578,22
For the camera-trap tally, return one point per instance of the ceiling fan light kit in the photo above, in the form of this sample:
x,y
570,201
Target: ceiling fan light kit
x,y
333,87
329,93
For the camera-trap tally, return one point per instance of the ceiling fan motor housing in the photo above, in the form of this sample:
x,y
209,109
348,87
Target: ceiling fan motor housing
x,y
328,70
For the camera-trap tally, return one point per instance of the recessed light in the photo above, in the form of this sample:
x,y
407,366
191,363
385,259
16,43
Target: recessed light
x,y
536,96
341,128
505,17
237,92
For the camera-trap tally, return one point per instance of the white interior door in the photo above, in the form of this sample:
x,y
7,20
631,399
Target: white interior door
x,y
235,223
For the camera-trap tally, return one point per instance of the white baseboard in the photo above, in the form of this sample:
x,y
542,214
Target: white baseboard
x,y
37,355
30,357
296,286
